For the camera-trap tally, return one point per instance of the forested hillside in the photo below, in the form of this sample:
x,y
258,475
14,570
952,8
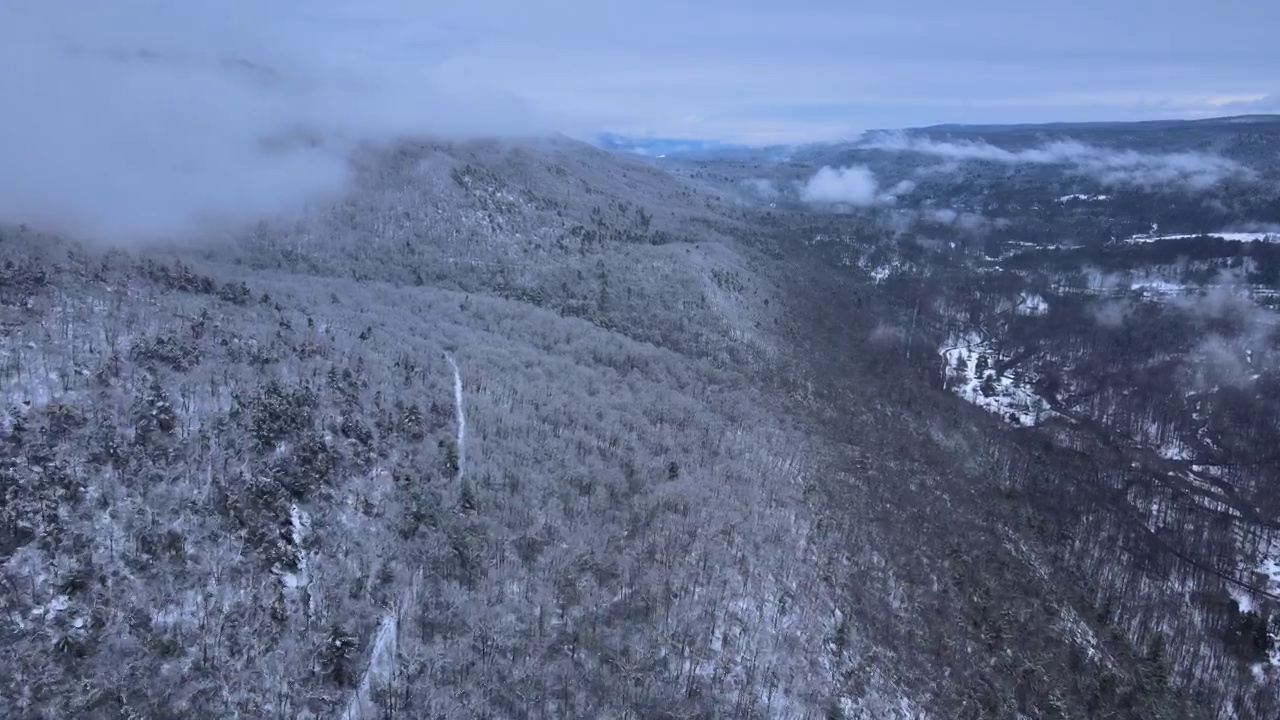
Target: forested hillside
x,y
239,479
526,429
1108,293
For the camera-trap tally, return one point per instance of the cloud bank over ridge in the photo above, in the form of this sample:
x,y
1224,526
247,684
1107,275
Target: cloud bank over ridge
x,y
1113,167
142,119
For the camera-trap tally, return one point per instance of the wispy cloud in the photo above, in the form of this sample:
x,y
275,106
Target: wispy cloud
x,y
762,187
1192,170
1228,307
965,221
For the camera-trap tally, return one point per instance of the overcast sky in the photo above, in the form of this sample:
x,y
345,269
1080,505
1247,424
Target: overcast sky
x,y
796,69
213,99
729,69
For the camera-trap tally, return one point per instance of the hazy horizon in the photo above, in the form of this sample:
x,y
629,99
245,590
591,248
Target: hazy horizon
x,y
144,117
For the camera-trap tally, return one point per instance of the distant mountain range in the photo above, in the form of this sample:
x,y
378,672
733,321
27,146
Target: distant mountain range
x,y
1232,120
661,147
699,147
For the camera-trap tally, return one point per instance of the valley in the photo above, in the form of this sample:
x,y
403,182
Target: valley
x,y
1079,320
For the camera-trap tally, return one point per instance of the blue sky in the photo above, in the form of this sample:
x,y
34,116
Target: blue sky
x,y
214,107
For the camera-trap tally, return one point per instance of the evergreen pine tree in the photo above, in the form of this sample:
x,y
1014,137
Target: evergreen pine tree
x,y
338,656
988,386
982,365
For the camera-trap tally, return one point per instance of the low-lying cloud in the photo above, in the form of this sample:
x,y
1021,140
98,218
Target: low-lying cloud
x,y
762,187
1112,313
1227,299
855,185
851,185
138,119
966,221
1109,166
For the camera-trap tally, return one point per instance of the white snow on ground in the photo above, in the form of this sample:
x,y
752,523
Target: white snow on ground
x,y
1156,283
1208,495
1241,596
1004,394
462,418
882,272
382,660
1157,287
1265,574
1236,236
300,527
33,388
1070,622
1031,304
1169,448
1174,450
383,653
1078,196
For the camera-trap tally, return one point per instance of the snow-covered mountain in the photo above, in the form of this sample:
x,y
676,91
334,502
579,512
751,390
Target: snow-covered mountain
x,y
535,429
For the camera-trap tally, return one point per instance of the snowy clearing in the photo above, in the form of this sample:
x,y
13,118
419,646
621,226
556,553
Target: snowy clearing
x,y
969,370
1032,304
1265,574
